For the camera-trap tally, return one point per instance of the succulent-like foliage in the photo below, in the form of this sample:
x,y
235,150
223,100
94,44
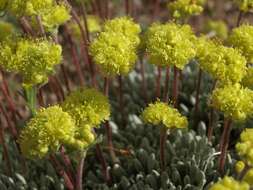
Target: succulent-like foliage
x,y
223,63
190,161
115,49
162,113
241,38
185,8
230,183
33,59
87,106
234,101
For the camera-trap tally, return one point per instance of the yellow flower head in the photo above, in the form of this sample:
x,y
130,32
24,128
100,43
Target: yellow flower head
x,y
245,147
222,63
45,132
185,8
245,5
217,29
161,113
33,59
87,106
170,44
115,49
125,26
229,183
241,38
234,101
6,30
248,177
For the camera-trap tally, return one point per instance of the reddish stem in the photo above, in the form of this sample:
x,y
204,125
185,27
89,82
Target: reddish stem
x,y
166,89
107,125
121,101
58,167
163,135
224,143
175,86
6,156
158,82
144,85
79,176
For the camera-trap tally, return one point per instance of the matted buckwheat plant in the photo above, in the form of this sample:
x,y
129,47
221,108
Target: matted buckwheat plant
x,y
126,95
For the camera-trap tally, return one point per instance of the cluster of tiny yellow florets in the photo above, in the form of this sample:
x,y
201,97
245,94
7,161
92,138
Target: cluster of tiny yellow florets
x,y
46,132
6,30
241,38
52,14
115,48
216,29
185,8
229,183
245,5
223,63
245,147
247,81
33,59
87,106
161,113
50,128
170,44
234,101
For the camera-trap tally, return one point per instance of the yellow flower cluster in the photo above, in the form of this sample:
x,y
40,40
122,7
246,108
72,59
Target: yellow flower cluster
x,y
234,101
245,147
33,59
115,48
51,13
245,5
229,183
170,44
162,113
216,29
223,63
241,38
46,132
87,106
185,8
6,30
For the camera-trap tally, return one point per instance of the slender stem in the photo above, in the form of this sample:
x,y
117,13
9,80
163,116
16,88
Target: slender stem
x,y
85,22
107,126
65,77
196,108
239,18
31,98
74,56
42,30
5,151
121,101
211,118
156,9
158,82
67,163
80,168
163,136
166,87
144,85
103,164
175,86
224,143
60,170
127,7
26,26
